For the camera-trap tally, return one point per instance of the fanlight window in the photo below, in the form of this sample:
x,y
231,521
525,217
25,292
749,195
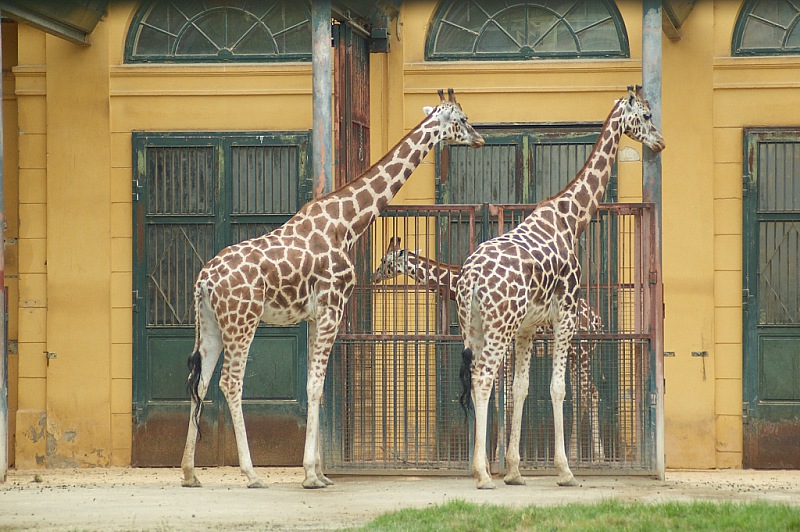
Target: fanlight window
x,y
220,31
768,27
519,30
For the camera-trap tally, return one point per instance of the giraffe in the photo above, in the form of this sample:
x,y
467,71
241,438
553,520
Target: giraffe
x,y
301,271
436,276
529,277
443,278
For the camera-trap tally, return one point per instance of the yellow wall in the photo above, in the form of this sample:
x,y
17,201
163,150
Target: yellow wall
x,y
32,315
78,105
688,245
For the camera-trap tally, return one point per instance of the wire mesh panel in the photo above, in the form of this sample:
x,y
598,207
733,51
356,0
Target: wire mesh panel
x,y
393,375
393,388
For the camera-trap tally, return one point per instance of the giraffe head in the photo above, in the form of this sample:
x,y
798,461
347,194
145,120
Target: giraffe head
x,y
452,122
393,263
637,120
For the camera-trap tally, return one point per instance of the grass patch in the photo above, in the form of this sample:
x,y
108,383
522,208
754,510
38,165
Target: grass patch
x,y
609,515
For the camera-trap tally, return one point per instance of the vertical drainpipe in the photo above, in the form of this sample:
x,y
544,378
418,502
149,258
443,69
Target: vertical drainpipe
x,y
651,192
322,89
3,342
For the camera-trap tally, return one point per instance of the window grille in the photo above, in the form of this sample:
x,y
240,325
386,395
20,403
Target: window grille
x,y
767,27
220,31
528,29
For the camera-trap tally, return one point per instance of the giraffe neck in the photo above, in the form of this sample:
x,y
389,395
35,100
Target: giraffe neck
x,y
580,199
349,211
436,276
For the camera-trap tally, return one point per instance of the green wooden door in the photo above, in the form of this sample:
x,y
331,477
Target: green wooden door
x,y
195,193
771,298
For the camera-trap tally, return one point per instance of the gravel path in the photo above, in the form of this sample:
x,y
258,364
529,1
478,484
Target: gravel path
x,y
152,499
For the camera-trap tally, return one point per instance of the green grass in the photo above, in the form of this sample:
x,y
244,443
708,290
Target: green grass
x,y
610,515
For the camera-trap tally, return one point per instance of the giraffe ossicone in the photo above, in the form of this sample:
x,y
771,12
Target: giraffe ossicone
x,y
530,277
301,271
443,278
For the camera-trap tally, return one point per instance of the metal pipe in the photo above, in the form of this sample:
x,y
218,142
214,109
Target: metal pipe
x,y
651,192
322,90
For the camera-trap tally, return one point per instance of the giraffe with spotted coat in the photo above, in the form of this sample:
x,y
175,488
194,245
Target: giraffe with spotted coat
x,y
442,278
301,271
530,277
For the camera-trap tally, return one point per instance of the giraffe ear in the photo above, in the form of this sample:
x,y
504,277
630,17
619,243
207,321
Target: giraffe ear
x,y
427,110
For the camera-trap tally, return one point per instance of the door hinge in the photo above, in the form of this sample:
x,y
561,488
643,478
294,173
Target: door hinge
x,y
136,188
653,399
745,298
745,413
747,184
138,413
135,301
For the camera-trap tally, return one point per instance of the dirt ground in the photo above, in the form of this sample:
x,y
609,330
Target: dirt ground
x,y
152,499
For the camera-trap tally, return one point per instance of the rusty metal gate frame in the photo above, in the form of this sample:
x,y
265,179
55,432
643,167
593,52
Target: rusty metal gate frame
x,y
390,404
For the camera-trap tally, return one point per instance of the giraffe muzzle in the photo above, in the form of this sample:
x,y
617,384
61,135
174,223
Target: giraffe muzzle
x,y
657,145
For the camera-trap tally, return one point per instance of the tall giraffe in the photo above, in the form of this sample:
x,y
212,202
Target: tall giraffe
x,y
301,271
530,276
443,278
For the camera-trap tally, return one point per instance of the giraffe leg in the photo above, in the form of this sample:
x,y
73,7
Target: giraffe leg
x,y
592,398
312,335
482,389
231,383
209,346
524,347
483,377
577,403
563,334
318,468
324,334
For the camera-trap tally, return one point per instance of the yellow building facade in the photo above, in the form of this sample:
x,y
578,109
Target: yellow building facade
x,y
70,112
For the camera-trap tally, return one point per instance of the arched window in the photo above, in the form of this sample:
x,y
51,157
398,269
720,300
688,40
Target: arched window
x,y
525,29
221,31
767,27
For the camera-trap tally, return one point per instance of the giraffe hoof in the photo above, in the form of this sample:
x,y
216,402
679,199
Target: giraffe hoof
x,y
258,483
570,481
314,484
326,480
192,483
486,485
515,480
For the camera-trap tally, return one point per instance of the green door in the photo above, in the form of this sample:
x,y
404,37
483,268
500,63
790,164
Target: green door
x,y
771,298
195,193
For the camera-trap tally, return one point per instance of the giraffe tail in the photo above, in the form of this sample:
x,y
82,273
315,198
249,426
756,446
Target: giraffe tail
x,y
195,366
465,374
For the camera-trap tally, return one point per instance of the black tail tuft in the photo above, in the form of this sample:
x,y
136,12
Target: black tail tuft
x,y
466,382
195,366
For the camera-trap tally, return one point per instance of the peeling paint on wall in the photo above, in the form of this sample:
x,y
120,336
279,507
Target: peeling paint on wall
x,y
36,433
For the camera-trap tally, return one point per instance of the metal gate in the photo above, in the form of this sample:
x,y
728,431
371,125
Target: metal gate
x,y
391,399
